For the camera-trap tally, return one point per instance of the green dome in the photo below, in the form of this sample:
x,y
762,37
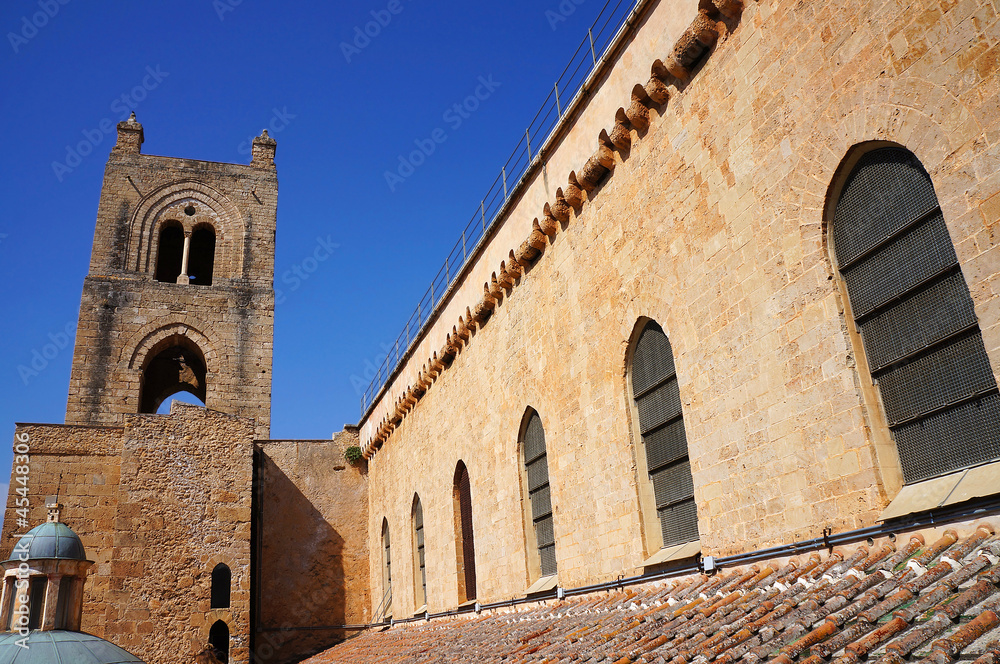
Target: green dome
x,y
53,540
61,647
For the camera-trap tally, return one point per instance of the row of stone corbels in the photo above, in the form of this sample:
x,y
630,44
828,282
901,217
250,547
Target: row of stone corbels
x,y
700,36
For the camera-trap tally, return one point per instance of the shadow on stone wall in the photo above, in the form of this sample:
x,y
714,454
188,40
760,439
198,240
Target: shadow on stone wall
x,y
301,576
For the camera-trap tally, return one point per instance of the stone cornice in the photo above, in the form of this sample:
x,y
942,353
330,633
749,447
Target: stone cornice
x,y
674,71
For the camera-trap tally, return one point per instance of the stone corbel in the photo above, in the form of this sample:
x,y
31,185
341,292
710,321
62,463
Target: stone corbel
x,y
620,136
574,194
696,40
638,110
560,209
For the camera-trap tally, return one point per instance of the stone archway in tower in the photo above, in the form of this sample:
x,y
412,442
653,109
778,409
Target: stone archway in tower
x,y
174,365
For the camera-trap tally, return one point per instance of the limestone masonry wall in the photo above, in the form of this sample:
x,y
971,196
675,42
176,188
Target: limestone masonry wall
x,y
126,316
158,503
313,556
711,222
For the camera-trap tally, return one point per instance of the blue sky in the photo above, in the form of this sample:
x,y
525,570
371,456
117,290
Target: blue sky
x,y
203,77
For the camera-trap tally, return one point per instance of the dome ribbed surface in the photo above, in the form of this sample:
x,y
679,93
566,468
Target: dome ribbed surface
x,y
62,647
53,540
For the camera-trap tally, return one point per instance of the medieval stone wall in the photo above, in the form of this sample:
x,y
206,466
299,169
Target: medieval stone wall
x,y
158,503
126,316
313,555
712,222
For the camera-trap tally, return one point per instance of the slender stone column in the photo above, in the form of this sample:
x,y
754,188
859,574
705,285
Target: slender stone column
x,y
183,278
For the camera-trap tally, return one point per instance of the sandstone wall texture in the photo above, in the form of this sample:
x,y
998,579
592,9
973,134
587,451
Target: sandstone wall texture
x,y
311,516
158,503
713,223
127,317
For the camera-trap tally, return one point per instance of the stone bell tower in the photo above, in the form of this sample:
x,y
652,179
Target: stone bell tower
x,y
179,297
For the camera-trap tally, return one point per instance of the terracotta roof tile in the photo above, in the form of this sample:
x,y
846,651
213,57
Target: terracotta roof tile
x,y
930,603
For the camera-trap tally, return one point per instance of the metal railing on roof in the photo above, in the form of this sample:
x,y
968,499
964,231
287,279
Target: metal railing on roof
x,y
600,37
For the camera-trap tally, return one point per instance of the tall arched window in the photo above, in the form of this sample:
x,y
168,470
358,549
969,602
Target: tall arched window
x,y
465,541
221,586
170,252
541,533
420,569
201,259
915,317
218,636
386,562
666,484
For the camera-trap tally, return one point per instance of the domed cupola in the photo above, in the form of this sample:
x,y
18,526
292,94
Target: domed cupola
x,y
42,603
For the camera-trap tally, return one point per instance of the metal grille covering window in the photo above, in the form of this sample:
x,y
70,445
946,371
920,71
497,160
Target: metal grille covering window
x,y
467,545
387,572
536,468
661,423
418,536
913,310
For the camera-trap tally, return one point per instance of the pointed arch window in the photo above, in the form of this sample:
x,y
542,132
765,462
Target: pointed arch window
x,y
915,317
465,540
386,558
419,566
538,505
666,483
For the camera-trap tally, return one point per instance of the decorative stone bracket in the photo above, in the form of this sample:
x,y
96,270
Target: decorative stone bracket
x,y
688,51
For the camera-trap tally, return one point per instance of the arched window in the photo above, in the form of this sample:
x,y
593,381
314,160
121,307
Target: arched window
x,y
170,252
175,365
218,636
420,569
541,545
666,485
221,584
386,561
915,317
201,258
465,542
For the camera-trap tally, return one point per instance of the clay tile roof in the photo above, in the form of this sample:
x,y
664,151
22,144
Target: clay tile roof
x,y
934,604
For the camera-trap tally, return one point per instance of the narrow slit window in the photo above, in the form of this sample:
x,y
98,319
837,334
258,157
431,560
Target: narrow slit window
x,y
912,309
221,586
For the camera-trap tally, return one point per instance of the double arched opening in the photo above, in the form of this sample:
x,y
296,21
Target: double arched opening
x,y
185,257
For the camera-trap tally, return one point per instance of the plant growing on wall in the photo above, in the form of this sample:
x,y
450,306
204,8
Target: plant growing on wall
x,y
353,454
